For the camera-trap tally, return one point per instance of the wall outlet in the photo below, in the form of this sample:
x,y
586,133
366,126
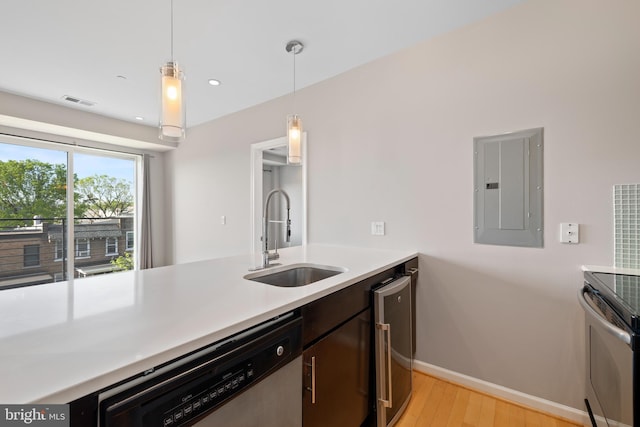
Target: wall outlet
x,y
569,232
377,228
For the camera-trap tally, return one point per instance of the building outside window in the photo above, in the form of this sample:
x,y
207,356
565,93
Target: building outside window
x,y
31,256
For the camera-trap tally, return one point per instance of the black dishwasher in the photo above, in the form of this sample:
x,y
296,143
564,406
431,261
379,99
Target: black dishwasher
x,y
217,385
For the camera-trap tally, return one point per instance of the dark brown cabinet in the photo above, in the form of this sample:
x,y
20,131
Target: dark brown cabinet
x,y
338,363
336,376
338,384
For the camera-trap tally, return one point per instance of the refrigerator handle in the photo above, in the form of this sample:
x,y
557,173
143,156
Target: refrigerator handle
x,y
386,328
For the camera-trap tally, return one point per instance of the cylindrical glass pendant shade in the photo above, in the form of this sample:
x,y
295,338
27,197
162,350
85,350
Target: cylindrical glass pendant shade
x,y
172,114
294,135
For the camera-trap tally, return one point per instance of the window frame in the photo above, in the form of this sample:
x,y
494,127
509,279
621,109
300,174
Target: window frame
x,y
25,255
133,241
82,255
58,247
106,246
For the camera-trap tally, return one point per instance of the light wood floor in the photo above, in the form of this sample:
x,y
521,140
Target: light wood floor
x,y
436,402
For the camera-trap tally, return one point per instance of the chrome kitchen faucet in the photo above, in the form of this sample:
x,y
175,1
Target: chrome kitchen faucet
x,y
266,256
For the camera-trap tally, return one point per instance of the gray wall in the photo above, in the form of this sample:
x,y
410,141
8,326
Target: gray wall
x,y
392,141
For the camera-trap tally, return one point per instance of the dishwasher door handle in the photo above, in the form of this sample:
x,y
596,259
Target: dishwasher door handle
x,y
620,334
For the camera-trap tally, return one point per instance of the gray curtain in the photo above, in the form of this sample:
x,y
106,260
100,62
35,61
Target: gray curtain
x,y
146,258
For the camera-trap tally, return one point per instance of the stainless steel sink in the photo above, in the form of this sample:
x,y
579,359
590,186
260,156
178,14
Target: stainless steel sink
x,y
294,275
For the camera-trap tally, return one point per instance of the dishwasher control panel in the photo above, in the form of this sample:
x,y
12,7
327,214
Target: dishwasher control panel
x,y
192,405
186,393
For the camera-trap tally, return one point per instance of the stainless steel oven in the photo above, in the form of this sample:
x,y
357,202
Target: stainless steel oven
x,y
610,303
253,378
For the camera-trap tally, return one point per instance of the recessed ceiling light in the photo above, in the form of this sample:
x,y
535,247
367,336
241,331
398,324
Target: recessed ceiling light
x,y
139,118
214,82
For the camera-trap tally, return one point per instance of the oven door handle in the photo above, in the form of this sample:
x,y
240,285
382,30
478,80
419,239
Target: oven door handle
x,y
620,334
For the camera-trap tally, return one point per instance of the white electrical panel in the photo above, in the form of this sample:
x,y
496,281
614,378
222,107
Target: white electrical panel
x,y
569,232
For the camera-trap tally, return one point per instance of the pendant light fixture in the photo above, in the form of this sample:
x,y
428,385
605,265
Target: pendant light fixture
x,y
294,122
172,111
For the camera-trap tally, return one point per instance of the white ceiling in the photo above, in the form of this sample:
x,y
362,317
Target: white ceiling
x,y
80,47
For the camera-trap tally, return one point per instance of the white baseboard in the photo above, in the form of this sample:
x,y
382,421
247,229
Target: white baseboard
x,y
496,390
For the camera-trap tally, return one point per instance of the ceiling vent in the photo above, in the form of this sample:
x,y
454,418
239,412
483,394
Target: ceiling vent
x,y
78,101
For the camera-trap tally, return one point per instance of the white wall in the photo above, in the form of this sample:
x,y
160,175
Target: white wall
x,y
392,141
208,176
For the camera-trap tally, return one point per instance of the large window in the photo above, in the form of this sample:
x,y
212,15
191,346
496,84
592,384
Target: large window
x,y
38,213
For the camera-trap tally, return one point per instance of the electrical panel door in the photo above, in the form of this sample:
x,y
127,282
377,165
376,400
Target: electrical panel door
x,y
508,189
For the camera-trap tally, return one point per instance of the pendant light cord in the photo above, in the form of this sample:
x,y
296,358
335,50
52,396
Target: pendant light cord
x,y
294,47
293,51
171,30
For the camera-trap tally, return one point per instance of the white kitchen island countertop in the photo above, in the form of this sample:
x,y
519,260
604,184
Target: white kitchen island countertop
x,y
61,341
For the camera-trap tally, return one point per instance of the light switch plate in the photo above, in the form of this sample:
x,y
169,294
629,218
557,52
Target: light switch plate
x,y
377,228
569,232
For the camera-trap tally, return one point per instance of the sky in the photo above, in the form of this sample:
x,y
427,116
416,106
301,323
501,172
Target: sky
x,y
84,164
